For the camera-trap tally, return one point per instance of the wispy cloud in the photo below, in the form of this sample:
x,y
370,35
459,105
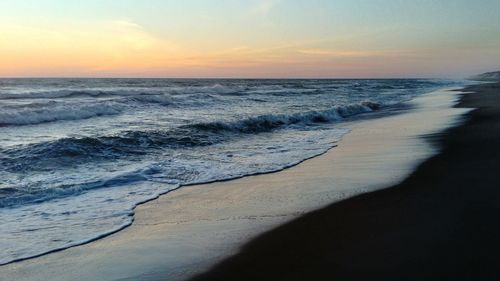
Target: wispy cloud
x,y
263,7
125,24
333,52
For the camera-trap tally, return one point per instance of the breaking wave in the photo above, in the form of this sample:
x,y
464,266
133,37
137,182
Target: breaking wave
x,y
51,113
269,122
72,151
119,92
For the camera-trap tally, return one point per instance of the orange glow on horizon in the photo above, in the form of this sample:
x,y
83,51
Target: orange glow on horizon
x,y
125,49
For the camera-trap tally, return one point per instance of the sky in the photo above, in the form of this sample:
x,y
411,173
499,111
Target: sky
x,y
249,38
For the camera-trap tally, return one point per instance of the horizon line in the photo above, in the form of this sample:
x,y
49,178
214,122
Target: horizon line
x,y
221,78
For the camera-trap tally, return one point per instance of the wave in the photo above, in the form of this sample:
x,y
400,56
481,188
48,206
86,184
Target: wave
x,y
280,91
268,122
210,89
73,151
22,195
94,93
156,99
120,92
216,89
52,94
36,115
175,100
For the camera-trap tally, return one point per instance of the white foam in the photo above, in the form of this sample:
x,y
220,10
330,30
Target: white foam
x,y
102,207
50,113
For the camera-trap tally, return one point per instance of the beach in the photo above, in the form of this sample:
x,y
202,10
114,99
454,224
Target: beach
x,y
188,231
249,140
440,223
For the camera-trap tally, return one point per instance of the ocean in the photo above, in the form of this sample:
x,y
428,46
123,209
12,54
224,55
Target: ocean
x,y
77,155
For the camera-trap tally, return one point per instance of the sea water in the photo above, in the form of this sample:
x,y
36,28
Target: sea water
x,y
77,155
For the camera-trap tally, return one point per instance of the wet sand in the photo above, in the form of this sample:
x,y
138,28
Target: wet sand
x,y
187,231
441,223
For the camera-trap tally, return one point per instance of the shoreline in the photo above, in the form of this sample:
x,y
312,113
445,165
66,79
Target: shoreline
x,y
123,227
152,215
439,223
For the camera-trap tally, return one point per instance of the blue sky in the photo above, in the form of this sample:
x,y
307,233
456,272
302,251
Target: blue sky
x,y
252,38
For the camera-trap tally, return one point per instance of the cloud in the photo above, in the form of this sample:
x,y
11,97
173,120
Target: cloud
x,y
333,52
125,24
263,7
100,45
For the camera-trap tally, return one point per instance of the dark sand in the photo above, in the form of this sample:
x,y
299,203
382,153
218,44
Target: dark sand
x,y
441,223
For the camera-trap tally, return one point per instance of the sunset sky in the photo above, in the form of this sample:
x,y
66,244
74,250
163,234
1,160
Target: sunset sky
x,y
252,38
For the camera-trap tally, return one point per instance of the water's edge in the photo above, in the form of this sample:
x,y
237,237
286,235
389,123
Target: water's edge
x,y
111,232
132,211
